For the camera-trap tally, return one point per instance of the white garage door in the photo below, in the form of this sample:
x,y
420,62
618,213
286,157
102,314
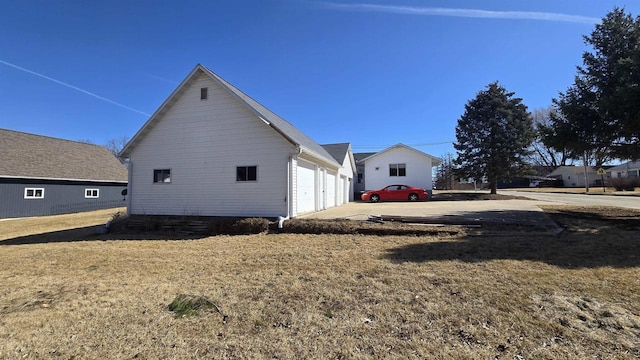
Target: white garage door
x,y
331,189
341,191
306,190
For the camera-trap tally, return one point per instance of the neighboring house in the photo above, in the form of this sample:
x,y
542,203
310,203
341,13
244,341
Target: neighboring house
x,y
344,156
41,175
573,176
398,164
359,183
630,169
211,150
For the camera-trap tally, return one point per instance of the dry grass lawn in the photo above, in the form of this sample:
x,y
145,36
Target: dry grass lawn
x,y
464,296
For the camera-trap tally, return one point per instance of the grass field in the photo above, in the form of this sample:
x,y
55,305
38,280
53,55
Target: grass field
x,y
470,295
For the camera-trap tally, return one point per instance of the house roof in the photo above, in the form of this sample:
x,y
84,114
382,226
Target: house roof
x,y
435,160
35,156
283,127
630,165
339,152
360,156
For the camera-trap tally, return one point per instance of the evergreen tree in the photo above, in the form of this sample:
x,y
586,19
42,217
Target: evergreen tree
x,y
493,136
603,104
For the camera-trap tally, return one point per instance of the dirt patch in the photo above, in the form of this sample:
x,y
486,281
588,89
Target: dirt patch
x,y
595,321
590,218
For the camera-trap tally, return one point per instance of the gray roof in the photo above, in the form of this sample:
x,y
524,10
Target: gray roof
x,y
283,127
338,151
35,156
626,166
360,156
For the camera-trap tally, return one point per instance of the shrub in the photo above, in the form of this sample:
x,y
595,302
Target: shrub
x,y
239,226
621,184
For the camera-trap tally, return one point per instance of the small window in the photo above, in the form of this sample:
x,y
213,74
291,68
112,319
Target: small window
x,y
247,173
204,92
91,193
34,193
397,170
360,178
162,176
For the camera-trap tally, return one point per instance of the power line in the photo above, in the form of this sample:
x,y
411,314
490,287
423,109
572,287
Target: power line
x,y
412,145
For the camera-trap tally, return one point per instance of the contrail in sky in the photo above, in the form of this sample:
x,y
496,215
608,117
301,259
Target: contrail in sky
x,y
470,13
73,87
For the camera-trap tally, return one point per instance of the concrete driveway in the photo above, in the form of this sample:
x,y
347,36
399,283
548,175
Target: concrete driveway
x,y
511,211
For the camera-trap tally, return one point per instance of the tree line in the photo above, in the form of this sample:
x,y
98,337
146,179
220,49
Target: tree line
x,y
595,120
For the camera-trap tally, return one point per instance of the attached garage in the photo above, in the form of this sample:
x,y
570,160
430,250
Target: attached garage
x,y
306,187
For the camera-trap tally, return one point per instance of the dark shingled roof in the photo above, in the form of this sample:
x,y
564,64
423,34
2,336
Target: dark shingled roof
x,y
35,156
360,156
338,151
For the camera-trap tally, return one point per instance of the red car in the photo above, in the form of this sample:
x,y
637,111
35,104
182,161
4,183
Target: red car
x,y
395,193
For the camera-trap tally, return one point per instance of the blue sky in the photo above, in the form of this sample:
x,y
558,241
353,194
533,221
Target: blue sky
x,y
371,72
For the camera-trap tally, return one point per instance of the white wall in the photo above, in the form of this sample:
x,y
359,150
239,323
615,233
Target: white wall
x,y
573,176
202,142
418,167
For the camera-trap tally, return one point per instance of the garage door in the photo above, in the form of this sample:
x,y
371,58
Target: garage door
x,y
306,190
341,191
331,189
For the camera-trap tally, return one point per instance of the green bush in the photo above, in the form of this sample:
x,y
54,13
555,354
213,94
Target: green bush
x,y
190,305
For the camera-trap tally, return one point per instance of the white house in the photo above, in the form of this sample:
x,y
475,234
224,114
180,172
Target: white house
x,y
573,176
398,164
211,150
629,169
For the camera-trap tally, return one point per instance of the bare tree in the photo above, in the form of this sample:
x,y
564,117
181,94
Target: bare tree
x,y
445,173
546,155
116,145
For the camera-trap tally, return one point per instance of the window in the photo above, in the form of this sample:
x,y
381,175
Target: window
x,y
247,173
34,193
91,193
359,178
397,170
162,176
204,93
633,173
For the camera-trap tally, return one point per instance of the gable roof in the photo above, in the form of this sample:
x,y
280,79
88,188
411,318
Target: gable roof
x,y
42,157
630,165
283,127
435,160
339,152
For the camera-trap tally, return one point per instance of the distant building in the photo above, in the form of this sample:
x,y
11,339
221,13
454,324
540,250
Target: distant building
x,y
629,169
398,164
573,176
40,175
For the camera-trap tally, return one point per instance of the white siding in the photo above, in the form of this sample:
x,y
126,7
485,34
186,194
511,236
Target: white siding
x,y
202,142
418,169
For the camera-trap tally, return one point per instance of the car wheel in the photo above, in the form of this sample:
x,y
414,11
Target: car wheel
x,y
374,198
413,197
